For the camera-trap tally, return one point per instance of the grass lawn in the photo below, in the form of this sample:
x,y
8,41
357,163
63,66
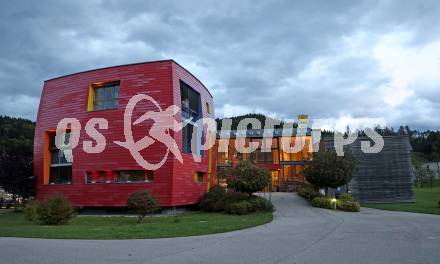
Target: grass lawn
x,y
426,202
94,227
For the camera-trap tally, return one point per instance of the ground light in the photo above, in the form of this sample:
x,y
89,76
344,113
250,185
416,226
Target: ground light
x,y
334,202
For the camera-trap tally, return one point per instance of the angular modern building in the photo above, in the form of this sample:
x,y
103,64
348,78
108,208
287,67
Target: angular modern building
x,y
107,178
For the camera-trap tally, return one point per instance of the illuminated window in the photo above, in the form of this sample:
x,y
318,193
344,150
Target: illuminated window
x,y
104,96
126,176
60,169
199,176
207,108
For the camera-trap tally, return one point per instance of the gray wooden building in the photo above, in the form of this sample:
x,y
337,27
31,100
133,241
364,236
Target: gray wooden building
x,y
382,177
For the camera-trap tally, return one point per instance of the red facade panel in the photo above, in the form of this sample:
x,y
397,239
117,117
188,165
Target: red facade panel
x,y
67,97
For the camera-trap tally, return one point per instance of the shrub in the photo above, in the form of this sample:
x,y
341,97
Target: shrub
x,y
56,210
438,203
31,210
232,197
346,197
348,206
240,208
143,203
322,202
214,200
217,199
308,192
261,204
248,178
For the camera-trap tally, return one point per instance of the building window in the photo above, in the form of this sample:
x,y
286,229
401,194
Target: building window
x,y
125,176
60,169
187,132
104,96
191,112
199,176
208,110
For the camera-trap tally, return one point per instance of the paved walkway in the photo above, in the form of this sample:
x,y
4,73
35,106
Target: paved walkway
x,y
298,234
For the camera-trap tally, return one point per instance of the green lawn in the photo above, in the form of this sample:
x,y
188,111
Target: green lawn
x,y
95,227
426,202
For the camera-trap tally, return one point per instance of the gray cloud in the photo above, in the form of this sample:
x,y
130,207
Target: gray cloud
x,y
330,59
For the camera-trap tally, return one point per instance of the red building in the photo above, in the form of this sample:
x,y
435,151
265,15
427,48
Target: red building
x,y
109,177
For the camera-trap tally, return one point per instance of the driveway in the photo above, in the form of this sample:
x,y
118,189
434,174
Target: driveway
x,y
298,234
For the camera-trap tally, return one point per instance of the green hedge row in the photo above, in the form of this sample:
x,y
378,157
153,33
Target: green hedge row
x,y
345,204
218,200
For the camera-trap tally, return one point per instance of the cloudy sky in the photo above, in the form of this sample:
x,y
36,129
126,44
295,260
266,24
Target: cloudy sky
x,y
340,61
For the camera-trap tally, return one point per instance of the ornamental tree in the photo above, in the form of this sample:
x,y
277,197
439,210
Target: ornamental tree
x,y
143,203
248,178
326,169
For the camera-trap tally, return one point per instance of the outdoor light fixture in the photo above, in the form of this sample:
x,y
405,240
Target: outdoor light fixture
x,y
334,203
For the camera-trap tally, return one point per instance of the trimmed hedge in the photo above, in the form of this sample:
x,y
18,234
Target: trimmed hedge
x,y
322,202
213,201
261,204
309,192
346,197
348,206
218,200
240,208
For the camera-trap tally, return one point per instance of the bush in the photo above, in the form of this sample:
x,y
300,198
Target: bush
x,y
322,202
240,208
55,210
308,192
143,203
214,200
348,206
438,203
218,200
232,197
248,178
346,197
31,210
261,204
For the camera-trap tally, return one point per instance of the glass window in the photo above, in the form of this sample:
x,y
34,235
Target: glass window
x,y
106,96
191,112
199,176
126,176
60,168
135,176
208,110
187,132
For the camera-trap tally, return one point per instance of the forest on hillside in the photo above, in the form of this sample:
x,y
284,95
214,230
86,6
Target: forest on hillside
x,y
16,155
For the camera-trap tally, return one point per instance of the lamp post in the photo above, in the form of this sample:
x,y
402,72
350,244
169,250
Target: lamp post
x,y
334,202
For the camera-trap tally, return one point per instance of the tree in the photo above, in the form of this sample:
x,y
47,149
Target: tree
x,y
143,203
248,178
16,155
16,170
326,169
